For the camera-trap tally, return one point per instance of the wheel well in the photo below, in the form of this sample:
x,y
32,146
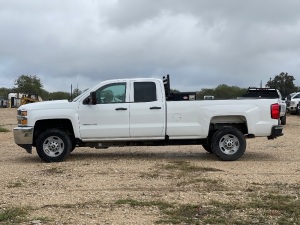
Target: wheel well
x,y
62,124
238,122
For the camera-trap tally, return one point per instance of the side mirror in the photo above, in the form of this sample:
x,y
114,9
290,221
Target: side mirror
x,y
91,100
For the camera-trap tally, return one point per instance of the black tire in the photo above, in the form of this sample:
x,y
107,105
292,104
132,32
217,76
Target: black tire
x,y
283,120
228,144
53,145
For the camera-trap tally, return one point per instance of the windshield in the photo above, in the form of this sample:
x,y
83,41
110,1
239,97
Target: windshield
x,y
79,96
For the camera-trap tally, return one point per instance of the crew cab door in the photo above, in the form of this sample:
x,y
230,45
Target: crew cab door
x,y
109,118
147,110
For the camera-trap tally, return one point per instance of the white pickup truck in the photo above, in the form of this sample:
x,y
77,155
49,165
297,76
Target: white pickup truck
x,y
139,112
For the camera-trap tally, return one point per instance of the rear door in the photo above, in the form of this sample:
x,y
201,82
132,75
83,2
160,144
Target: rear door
x,y
147,110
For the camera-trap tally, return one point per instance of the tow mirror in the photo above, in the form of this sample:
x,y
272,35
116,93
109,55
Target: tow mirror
x,y
93,98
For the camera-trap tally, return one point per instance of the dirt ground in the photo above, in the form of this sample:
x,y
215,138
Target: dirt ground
x,y
145,185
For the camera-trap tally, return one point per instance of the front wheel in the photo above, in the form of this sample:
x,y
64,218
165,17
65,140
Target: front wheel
x,y
228,144
53,145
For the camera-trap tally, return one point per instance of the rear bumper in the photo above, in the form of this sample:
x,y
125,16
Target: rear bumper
x,y
23,137
276,132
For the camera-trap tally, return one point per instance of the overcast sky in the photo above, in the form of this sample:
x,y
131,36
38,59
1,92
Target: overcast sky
x,y
200,43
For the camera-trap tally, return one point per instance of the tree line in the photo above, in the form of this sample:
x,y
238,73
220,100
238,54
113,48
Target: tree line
x,y
283,82
31,84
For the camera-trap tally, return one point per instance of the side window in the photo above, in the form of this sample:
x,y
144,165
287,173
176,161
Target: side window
x,y
111,93
297,96
144,92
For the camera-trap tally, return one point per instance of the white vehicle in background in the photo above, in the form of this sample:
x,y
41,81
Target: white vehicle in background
x,y
209,97
292,102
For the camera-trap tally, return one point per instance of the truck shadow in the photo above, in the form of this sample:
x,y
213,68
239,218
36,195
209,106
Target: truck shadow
x,y
140,156
202,156
259,156
151,155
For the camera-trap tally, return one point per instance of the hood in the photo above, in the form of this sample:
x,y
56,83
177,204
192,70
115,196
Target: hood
x,y
57,104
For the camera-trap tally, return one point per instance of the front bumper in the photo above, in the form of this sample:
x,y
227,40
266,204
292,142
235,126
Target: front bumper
x,y
276,132
23,137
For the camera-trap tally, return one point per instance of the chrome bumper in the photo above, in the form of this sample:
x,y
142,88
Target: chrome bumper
x,y
23,137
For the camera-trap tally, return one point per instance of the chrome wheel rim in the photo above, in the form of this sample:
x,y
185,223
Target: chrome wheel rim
x,y
229,144
53,146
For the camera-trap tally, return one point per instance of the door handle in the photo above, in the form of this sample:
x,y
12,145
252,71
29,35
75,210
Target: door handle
x,y
155,107
121,108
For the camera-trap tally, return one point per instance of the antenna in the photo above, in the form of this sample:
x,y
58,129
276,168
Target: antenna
x,y
71,93
77,86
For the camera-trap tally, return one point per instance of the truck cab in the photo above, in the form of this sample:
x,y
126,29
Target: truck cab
x,y
121,109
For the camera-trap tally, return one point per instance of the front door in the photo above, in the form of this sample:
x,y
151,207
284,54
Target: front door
x,y
109,118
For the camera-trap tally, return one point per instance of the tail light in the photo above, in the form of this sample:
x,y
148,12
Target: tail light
x,y
275,111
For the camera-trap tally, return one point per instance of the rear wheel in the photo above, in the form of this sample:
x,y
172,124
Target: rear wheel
x,y
53,145
228,144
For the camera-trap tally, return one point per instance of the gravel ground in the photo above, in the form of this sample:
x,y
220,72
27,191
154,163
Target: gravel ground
x,y
132,185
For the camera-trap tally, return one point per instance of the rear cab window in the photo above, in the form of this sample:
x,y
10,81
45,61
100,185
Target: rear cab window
x,y
145,92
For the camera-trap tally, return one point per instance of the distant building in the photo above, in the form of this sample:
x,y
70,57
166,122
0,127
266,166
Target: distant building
x,y
14,100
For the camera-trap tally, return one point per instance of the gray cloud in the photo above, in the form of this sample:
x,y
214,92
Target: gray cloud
x,y
201,44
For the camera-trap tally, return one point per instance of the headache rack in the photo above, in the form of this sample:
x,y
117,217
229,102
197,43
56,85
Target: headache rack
x,y
176,96
262,93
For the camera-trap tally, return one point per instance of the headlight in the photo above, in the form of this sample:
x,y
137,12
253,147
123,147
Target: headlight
x,y
22,118
23,113
293,103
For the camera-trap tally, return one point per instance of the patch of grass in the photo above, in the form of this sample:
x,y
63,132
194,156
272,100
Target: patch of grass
x,y
182,214
75,205
185,174
266,209
203,184
16,184
54,170
3,129
150,175
286,204
187,167
279,186
13,215
134,203
271,208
